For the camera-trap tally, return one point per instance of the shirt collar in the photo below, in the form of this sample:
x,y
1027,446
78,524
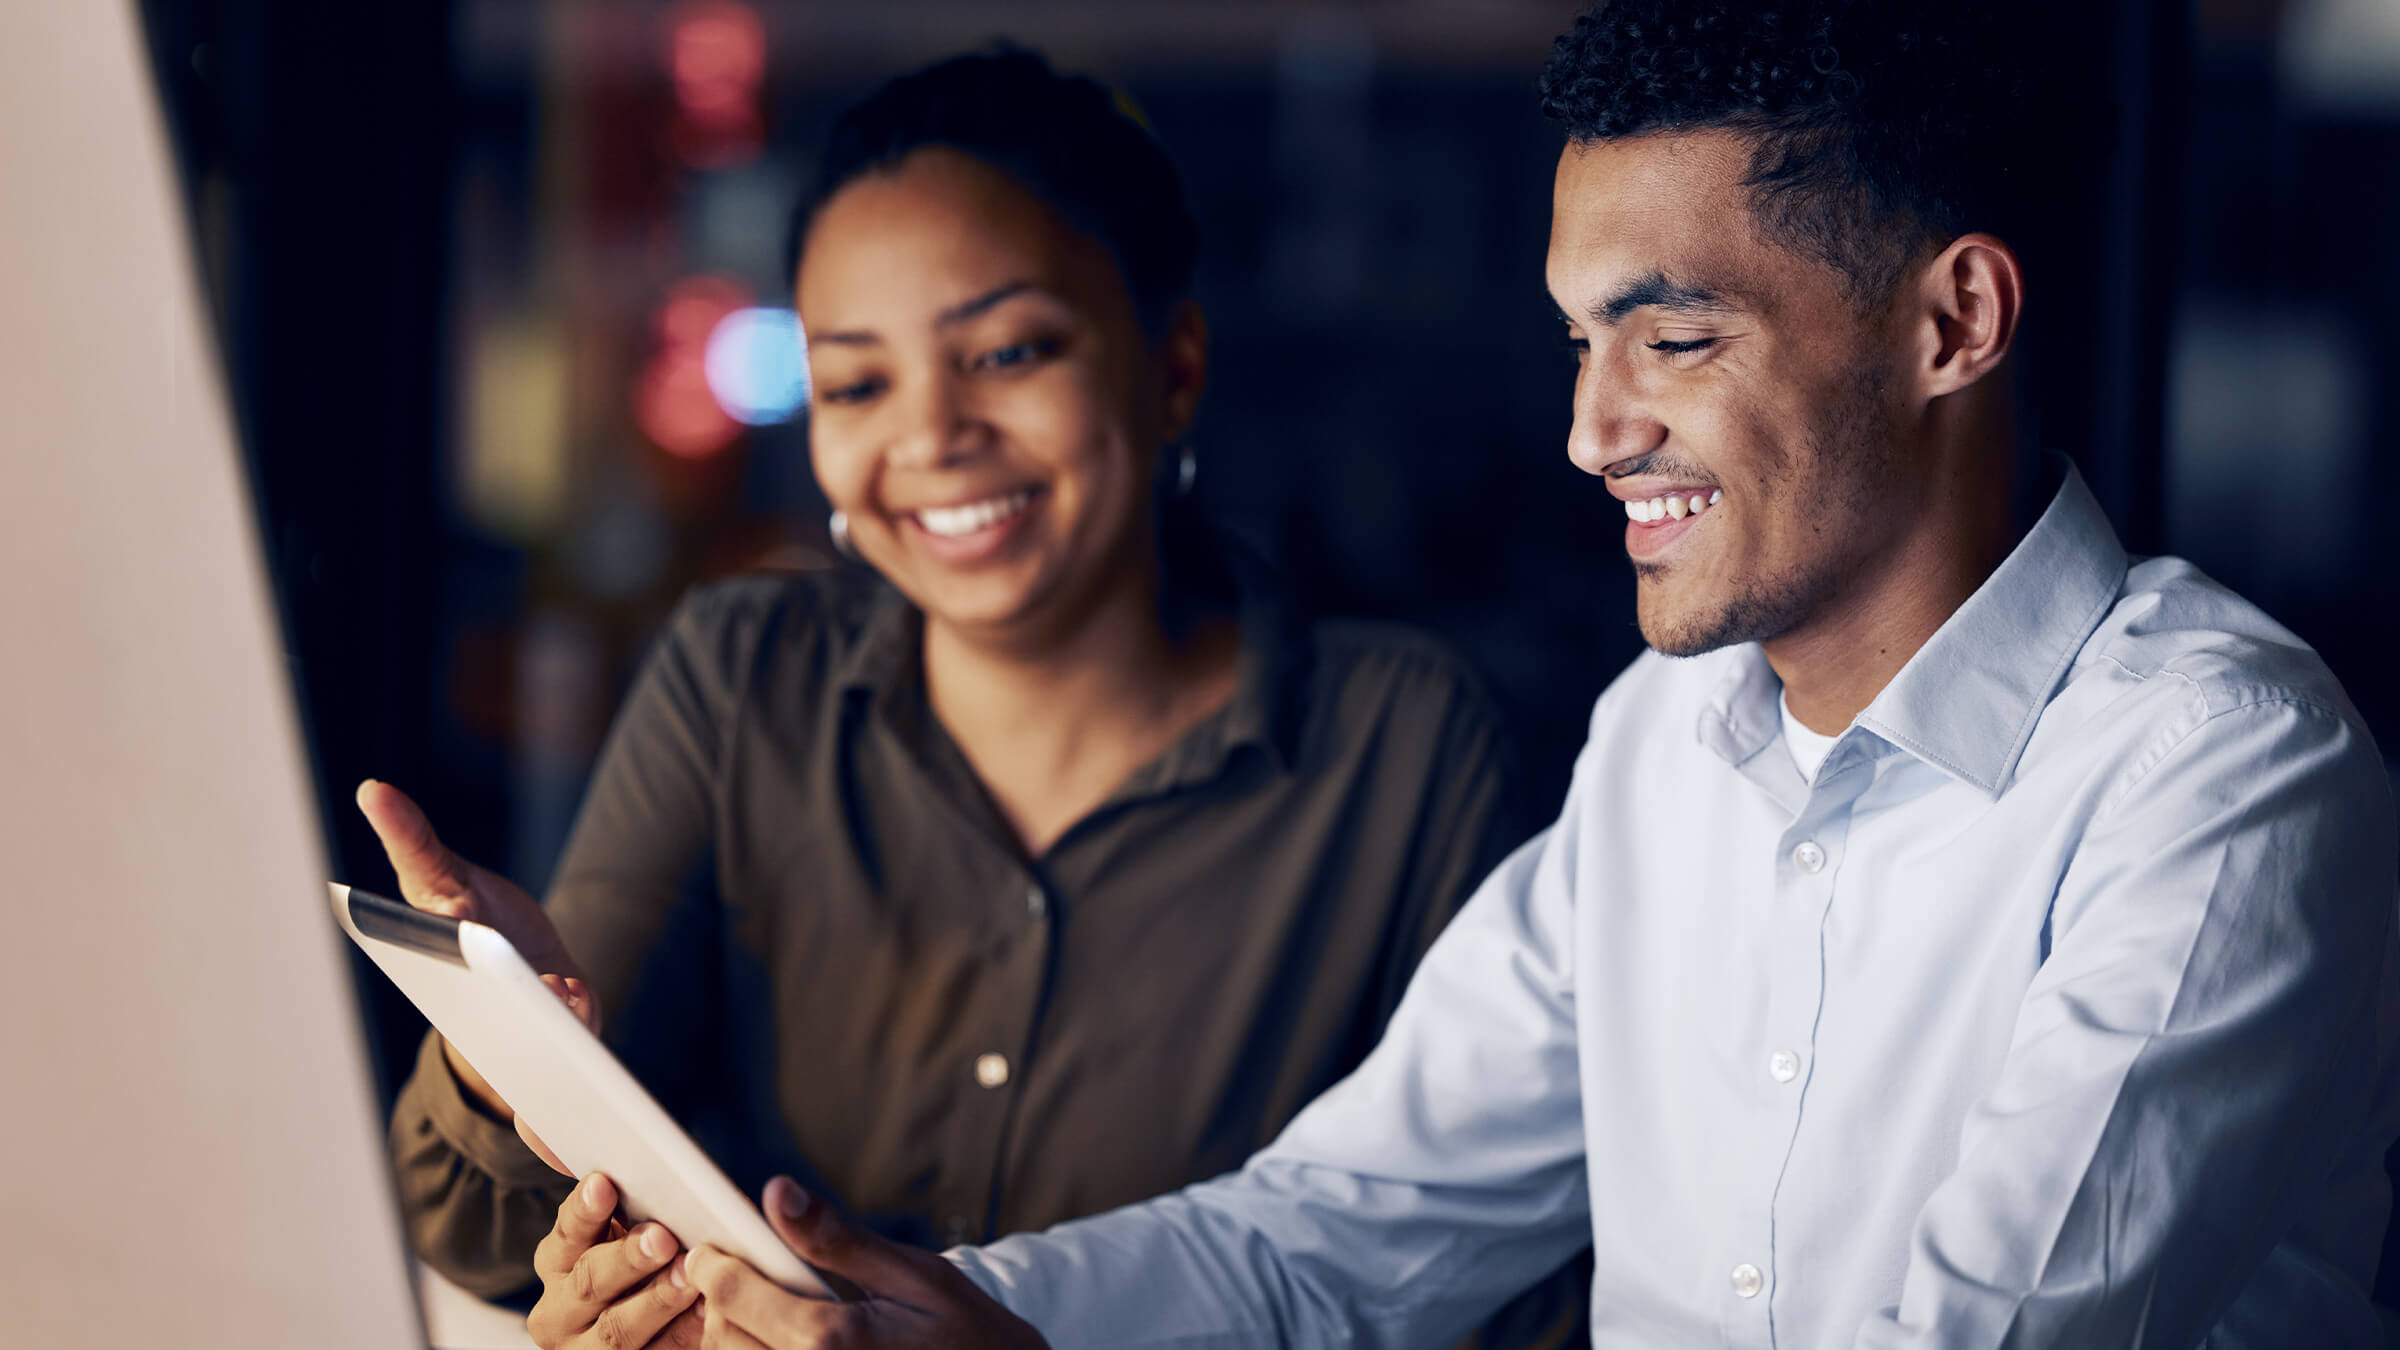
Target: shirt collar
x,y
884,671
883,658
1967,702
1269,684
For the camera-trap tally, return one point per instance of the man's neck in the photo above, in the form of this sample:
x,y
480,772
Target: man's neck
x,y
1833,666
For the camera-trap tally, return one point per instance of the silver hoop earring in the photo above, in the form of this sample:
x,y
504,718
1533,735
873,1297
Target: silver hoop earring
x,y
839,527
1187,468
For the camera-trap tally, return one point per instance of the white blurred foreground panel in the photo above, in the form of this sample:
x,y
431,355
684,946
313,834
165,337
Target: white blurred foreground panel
x,y
188,1150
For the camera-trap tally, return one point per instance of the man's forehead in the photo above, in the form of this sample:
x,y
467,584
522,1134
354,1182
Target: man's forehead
x,y
1665,217
1686,170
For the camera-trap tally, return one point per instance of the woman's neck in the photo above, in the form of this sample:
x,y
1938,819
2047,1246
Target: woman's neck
x,y
1053,725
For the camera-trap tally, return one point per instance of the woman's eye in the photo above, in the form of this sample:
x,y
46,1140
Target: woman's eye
x,y
1671,347
858,391
1015,354
1582,347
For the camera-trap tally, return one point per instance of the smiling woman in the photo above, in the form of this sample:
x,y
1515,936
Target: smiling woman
x,y
991,409
1046,859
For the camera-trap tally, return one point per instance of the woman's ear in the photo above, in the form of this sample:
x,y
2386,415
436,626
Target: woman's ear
x,y
1968,300
1183,357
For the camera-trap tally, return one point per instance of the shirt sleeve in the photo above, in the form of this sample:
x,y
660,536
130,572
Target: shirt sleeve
x,y
476,1200
1400,1208
1474,818
2195,1058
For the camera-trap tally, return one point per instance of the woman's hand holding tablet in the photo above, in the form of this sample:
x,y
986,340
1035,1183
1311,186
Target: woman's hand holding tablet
x,y
438,881
454,949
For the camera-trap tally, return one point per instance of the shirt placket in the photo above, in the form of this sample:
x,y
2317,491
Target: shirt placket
x,y
989,1066
1807,861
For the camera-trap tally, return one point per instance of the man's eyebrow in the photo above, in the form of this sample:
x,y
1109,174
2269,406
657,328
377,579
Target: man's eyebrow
x,y
955,314
1656,290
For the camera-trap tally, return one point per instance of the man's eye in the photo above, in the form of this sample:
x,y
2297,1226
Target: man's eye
x,y
1673,348
1580,346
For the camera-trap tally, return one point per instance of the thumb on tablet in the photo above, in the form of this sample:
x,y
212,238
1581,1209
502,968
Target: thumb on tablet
x,y
434,879
851,1258
431,876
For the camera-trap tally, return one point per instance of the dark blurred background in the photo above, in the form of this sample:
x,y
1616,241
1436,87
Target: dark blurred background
x,y
502,297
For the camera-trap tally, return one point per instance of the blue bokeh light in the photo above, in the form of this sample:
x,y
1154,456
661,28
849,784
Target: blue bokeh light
x,y
758,365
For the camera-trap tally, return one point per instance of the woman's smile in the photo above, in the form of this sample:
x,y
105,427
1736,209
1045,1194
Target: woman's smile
x,y
975,530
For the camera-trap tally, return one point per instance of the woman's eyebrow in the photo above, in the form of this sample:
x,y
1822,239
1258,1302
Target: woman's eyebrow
x,y
968,309
955,314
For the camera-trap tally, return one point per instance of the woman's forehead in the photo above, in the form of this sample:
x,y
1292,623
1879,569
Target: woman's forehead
x,y
933,231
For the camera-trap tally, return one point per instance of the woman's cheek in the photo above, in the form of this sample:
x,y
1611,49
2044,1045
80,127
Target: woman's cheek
x,y
841,466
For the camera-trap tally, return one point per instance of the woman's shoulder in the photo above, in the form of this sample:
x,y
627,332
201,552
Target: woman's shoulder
x,y
1396,669
814,616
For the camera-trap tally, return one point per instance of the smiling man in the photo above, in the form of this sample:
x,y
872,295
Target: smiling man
x,y
1957,934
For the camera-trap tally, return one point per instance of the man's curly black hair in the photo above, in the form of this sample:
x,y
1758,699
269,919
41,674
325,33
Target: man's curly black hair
x,y
1878,128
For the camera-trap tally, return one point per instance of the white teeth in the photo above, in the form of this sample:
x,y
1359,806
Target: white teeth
x,y
952,521
1676,507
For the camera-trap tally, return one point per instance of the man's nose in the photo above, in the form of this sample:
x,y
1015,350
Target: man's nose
x,y
1611,423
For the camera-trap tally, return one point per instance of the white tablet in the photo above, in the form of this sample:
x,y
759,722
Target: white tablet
x,y
471,984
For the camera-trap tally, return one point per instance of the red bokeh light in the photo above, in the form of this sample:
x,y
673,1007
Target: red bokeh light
x,y
672,402
716,54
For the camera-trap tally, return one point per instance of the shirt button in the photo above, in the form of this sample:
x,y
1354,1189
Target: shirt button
x,y
1783,1065
991,1070
1808,857
1036,903
1747,1281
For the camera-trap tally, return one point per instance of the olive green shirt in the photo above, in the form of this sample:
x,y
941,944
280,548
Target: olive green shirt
x,y
815,939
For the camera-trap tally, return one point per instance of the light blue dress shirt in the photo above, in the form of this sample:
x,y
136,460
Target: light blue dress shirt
x,y
2057,1010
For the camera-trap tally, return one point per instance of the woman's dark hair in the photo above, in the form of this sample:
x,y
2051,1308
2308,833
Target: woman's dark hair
x,y
1065,138
1876,127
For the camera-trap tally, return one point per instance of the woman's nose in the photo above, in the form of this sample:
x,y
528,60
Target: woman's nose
x,y
938,429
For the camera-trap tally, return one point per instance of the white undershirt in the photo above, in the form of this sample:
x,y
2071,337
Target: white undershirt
x,y
1808,748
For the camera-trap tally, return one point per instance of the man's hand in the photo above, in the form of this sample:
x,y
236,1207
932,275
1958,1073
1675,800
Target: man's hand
x,y
907,1299
604,1288
435,880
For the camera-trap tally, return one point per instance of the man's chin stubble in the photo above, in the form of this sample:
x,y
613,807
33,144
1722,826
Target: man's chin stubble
x,y
1754,614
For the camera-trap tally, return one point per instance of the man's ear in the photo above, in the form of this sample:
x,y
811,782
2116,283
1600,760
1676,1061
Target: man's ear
x,y
1183,357
1966,304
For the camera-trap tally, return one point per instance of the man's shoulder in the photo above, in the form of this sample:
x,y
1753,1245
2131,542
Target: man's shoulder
x,y
2182,638
2179,666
